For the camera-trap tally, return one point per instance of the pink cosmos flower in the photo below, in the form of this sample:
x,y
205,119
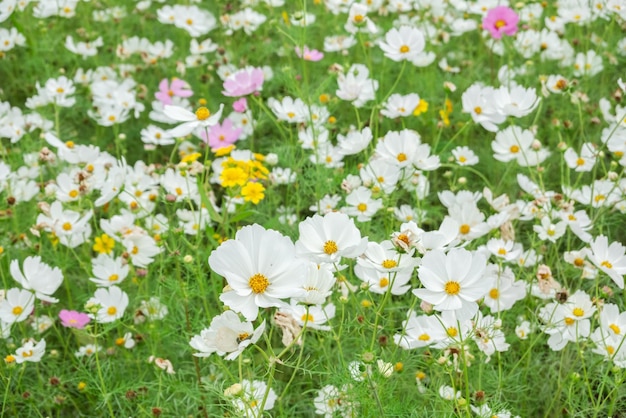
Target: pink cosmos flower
x,y
177,88
501,20
309,54
73,319
241,105
243,82
222,135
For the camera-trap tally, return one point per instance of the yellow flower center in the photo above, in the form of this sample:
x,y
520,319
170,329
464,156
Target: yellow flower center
x,y
569,321
67,226
113,277
202,113
404,49
502,251
494,293
616,329
389,264
73,193
306,318
404,238
112,310
424,337
579,262
358,18
330,247
462,159
243,336
17,310
362,207
384,282
258,283
578,312
514,149
464,229
452,288
500,23
452,332
580,162
401,157
478,110
27,354
606,264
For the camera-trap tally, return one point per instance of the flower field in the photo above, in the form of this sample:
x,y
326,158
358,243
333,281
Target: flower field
x,y
299,208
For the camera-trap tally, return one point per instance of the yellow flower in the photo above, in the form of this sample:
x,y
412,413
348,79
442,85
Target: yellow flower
x,y
445,112
422,107
285,17
189,158
253,192
220,152
104,244
233,176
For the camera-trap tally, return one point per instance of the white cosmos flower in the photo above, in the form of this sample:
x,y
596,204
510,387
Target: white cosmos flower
x,y
325,239
31,351
38,277
108,270
260,267
111,303
16,305
405,43
453,281
201,118
611,259
227,334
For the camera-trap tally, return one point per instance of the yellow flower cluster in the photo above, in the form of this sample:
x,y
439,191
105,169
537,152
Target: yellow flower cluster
x,y
247,175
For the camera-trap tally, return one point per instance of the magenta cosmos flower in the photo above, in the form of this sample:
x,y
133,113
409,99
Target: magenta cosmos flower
x,y
73,319
177,88
222,135
501,20
240,105
243,82
309,54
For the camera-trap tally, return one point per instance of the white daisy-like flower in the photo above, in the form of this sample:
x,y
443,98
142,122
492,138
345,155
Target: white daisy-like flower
x,y
453,281
325,239
32,351
260,267
201,118
16,305
38,277
111,303
227,334
611,259
405,43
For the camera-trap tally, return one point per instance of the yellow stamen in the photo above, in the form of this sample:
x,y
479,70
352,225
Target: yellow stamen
x,y
258,283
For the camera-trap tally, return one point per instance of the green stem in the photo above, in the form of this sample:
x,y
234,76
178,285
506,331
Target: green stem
x,y
100,375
